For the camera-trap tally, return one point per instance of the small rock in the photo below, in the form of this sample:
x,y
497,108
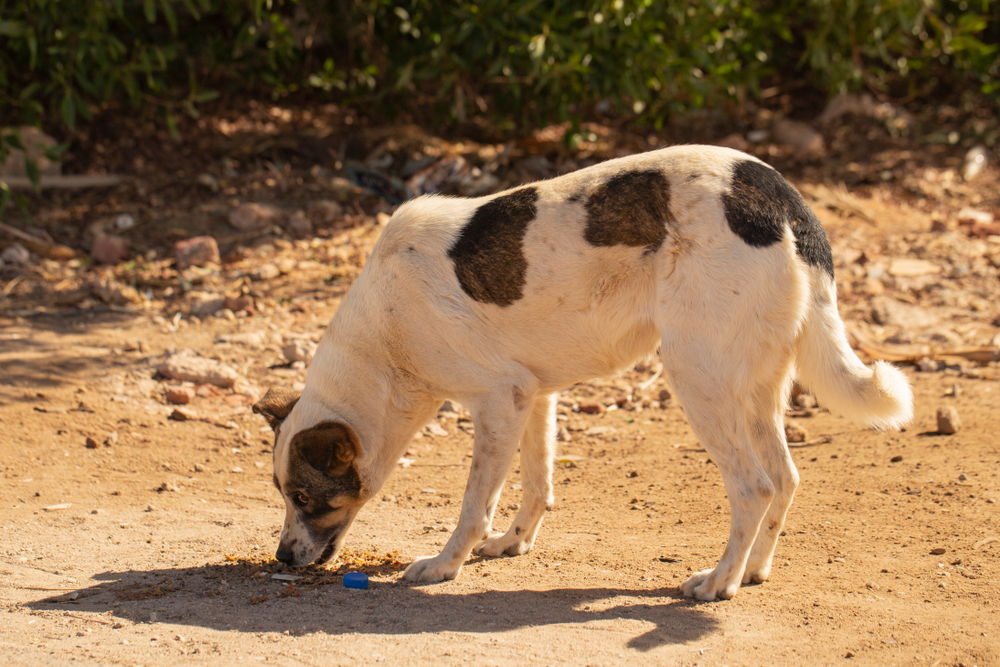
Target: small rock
x,y
186,366
299,349
299,225
973,216
208,181
896,459
124,222
927,365
179,415
664,396
197,467
798,136
948,422
167,487
592,408
324,213
179,395
937,551
196,251
806,401
238,304
15,254
436,429
203,304
251,216
905,267
267,271
795,433
974,163
108,248
90,443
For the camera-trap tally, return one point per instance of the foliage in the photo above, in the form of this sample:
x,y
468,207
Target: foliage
x,y
514,63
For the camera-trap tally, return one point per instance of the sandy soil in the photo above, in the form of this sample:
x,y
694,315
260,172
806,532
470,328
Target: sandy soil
x,y
160,552
130,537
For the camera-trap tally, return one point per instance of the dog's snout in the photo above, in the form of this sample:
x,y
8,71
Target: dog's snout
x,y
284,554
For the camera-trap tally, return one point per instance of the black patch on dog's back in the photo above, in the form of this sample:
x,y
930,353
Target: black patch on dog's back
x,y
489,261
759,204
632,209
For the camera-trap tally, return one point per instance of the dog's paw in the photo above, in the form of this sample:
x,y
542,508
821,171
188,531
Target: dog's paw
x,y
705,585
430,570
757,576
504,544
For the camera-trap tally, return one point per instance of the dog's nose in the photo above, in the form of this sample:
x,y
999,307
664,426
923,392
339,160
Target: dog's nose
x,y
284,554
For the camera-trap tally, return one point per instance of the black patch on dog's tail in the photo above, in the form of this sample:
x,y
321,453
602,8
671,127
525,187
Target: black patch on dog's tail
x,y
489,259
759,204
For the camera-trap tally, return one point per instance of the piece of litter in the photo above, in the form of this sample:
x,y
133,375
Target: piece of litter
x,y
569,458
60,506
285,577
357,580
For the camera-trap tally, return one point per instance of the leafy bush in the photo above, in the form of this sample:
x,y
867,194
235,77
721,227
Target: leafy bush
x,y
513,63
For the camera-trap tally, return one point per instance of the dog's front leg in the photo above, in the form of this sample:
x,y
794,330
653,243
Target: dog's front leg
x,y
499,422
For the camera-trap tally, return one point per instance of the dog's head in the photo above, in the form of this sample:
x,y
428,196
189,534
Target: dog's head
x,y
315,472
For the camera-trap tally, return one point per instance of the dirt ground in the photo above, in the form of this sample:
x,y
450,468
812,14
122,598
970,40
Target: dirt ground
x,y
136,531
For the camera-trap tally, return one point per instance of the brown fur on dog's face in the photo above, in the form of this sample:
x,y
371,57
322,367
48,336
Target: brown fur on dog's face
x,y
315,472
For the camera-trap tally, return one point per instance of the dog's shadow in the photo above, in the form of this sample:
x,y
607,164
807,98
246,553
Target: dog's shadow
x,y
224,597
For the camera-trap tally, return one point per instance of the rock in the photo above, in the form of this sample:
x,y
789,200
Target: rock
x,y
937,551
90,443
592,408
179,415
896,459
108,248
179,395
267,271
238,303
298,349
203,304
948,422
974,163
663,396
35,143
795,433
974,216
798,136
299,225
805,401
186,366
252,216
167,487
905,267
196,251
124,222
889,311
324,213
15,255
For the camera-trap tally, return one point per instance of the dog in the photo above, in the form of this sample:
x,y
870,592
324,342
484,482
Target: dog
x,y
501,301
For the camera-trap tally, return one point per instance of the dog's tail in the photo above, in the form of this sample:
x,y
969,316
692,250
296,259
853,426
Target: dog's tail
x,y
879,395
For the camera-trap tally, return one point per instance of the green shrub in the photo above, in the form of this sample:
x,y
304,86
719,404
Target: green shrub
x,y
513,64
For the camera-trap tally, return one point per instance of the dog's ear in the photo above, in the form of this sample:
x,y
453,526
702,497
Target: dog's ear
x,y
276,405
330,447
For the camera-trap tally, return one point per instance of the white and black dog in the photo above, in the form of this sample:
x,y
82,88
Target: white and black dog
x,y
501,301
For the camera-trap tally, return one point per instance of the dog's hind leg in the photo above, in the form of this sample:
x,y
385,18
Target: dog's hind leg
x,y
768,435
537,455
499,419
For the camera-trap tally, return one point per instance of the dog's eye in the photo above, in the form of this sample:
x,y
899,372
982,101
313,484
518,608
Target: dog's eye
x,y
300,499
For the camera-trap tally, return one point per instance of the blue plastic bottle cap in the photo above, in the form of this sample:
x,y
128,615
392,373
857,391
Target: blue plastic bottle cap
x,y
356,580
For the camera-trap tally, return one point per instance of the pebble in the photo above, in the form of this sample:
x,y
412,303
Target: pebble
x,y
179,415
795,433
187,366
252,216
179,395
948,422
15,254
90,443
298,350
167,487
196,251
905,267
203,304
937,551
805,401
896,459
591,408
266,272
108,248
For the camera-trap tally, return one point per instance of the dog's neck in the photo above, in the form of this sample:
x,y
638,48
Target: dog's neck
x,y
383,403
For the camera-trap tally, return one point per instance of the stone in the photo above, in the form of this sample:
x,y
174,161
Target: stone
x,y
238,304
299,225
889,311
15,255
267,271
972,216
795,433
298,349
187,366
196,251
798,136
905,267
203,304
179,395
252,216
948,422
109,248
324,213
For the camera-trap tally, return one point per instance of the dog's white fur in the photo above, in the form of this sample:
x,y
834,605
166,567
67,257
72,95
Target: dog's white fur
x,y
734,324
